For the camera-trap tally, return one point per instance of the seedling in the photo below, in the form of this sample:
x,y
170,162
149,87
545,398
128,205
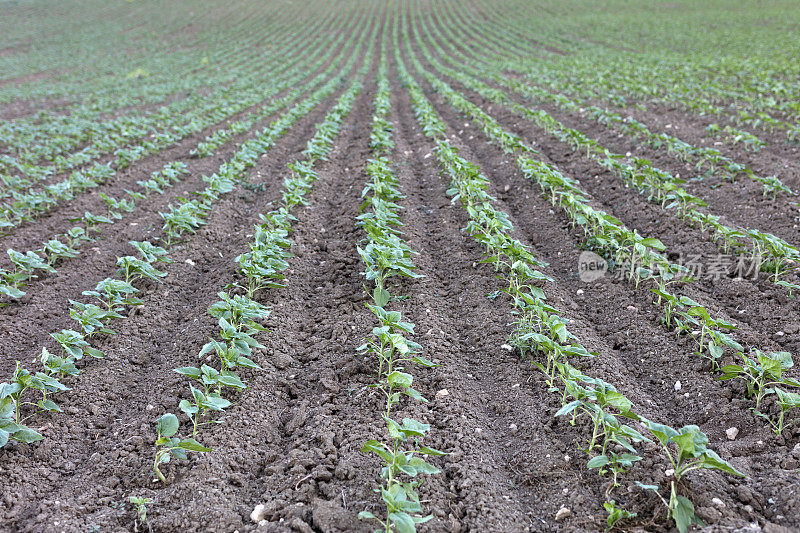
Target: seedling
x,y
786,402
117,207
141,503
211,379
115,294
25,265
187,217
202,403
761,373
75,345
93,319
55,250
76,236
93,222
401,498
616,514
710,331
134,269
55,365
150,252
691,454
12,400
168,445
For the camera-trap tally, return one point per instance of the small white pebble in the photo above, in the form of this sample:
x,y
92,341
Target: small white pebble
x,y
258,513
677,386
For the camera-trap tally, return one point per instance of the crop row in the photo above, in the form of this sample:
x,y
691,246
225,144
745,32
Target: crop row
x,y
768,252
683,81
187,216
541,330
711,160
26,205
386,255
238,315
58,134
640,255
115,294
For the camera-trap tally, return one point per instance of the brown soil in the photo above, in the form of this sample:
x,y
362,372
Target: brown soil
x,y
292,440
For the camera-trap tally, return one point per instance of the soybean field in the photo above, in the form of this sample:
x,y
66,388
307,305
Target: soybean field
x,y
411,265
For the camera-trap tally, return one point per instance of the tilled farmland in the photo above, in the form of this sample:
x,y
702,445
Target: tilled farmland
x,y
399,266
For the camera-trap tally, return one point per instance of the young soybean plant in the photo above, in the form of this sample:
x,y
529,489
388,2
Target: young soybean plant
x,y
168,445
764,373
385,256
13,398
597,399
141,503
686,450
402,456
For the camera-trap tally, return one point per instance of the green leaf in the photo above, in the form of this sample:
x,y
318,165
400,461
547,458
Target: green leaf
x,y
178,453
26,434
711,460
683,514
190,371
568,408
11,291
424,362
400,379
7,389
654,243
94,352
167,425
598,461
686,444
662,432
193,446
232,380
431,451
247,363
413,428
381,297
187,407
422,466
403,522
49,405
376,447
